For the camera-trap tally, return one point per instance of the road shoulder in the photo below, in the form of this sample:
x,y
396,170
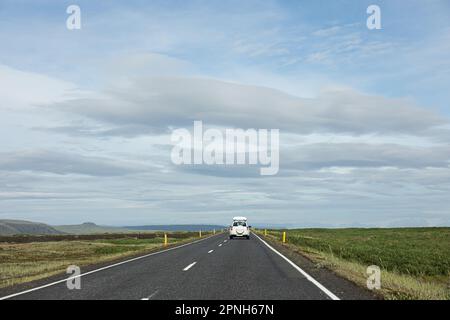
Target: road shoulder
x,y
343,288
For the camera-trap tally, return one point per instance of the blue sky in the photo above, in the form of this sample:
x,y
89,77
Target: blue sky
x,y
274,37
78,107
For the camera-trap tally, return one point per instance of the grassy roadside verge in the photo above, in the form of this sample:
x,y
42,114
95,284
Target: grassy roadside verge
x,y
414,262
24,262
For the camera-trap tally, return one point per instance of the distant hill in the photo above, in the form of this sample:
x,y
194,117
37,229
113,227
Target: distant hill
x,y
14,227
17,227
177,227
90,228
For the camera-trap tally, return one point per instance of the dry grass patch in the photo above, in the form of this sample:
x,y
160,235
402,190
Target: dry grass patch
x,y
25,262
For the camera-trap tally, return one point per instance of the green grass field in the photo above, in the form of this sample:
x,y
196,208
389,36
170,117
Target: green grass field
x,y
23,262
420,256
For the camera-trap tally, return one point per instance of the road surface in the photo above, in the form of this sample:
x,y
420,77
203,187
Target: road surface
x,y
212,268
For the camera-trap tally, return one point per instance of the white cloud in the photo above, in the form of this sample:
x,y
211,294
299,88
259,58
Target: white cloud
x,y
20,89
163,102
65,163
326,32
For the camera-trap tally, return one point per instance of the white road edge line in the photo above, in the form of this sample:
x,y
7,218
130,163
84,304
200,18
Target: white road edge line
x,y
190,266
150,296
101,269
314,281
210,251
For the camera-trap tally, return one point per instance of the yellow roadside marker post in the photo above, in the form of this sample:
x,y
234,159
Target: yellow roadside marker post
x,y
284,236
265,232
200,233
165,239
214,231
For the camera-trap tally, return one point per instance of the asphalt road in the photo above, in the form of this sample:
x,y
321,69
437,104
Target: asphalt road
x,y
212,268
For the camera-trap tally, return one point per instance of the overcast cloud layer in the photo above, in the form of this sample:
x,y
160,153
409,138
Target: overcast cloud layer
x,y
86,116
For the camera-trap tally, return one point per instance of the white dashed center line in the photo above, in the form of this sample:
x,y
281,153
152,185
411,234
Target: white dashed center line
x,y
190,266
210,251
220,245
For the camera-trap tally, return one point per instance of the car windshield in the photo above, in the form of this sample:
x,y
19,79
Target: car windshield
x,y
239,223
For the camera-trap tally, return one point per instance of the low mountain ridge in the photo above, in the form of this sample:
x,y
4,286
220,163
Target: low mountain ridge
x,y
177,227
90,228
15,227
22,227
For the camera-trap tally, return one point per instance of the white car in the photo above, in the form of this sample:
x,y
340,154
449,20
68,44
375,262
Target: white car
x,y
239,228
